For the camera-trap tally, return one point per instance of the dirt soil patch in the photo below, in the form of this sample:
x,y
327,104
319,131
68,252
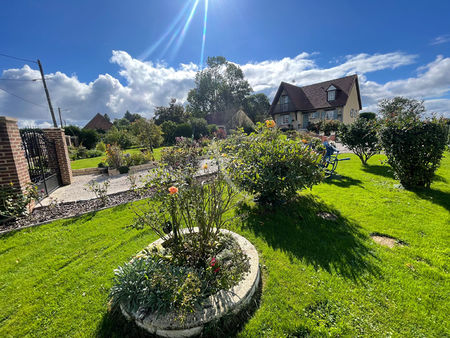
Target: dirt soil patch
x,y
386,240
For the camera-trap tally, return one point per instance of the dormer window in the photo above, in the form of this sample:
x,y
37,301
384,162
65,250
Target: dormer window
x,y
331,93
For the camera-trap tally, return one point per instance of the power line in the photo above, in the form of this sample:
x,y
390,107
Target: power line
x,y
23,99
32,80
17,58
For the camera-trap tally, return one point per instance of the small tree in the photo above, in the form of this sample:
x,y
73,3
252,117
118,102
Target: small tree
x,y
414,149
147,133
361,138
401,108
368,115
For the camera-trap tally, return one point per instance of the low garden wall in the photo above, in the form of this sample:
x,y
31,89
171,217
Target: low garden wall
x,y
224,302
133,169
89,171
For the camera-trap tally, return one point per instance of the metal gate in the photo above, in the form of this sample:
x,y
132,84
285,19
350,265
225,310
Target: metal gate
x,y
42,160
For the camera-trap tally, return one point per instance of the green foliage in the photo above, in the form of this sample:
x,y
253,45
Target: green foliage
x,y
123,138
368,115
168,129
147,133
174,113
414,148
88,138
137,158
159,280
101,146
132,117
326,126
76,153
220,87
114,156
401,108
256,106
361,138
199,127
100,189
121,124
185,154
14,202
183,130
72,130
270,165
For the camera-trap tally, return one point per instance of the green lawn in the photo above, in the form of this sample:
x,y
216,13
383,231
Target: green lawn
x,y
94,161
319,277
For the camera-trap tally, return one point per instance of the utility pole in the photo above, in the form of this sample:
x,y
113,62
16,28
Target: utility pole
x,y
60,118
46,93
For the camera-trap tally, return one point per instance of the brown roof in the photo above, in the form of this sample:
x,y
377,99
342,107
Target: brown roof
x,y
314,96
99,122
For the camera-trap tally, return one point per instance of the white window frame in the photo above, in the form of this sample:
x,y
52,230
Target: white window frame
x,y
331,95
286,119
313,115
329,114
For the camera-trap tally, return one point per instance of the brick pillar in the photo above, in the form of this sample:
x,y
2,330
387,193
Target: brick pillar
x,y
13,164
62,153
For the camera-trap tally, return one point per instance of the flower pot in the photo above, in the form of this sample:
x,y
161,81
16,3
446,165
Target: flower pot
x,y
224,302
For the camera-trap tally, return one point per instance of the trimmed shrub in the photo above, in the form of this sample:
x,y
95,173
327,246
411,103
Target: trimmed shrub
x,y
268,164
89,138
101,146
368,116
361,138
414,149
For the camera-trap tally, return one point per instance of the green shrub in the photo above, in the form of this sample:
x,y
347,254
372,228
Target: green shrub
x,y
136,158
93,153
114,156
101,146
414,148
76,153
270,165
185,153
183,130
88,138
361,138
168,128
124,169
14,202
123,138
368,116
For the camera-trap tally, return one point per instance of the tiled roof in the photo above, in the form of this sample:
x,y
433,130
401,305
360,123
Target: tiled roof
x,y
99,122
315,96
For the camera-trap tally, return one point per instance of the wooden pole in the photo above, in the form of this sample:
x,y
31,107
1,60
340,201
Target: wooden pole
x,y
60,118
47,94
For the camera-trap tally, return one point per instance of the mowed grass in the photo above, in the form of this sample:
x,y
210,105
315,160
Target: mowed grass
x,y
320,277
94,161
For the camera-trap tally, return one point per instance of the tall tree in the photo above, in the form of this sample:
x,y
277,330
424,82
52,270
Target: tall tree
x,y
175,112
220,87
132,117
401,108
147,133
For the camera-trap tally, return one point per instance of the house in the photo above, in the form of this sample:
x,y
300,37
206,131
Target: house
x,y
296,107
99,122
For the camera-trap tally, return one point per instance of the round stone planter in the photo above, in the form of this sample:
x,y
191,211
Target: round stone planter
x,y
213,309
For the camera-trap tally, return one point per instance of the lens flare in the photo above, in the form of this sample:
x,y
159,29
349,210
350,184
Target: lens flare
x,y
205,19
171,28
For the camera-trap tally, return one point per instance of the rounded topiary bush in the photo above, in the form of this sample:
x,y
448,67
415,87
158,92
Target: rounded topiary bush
x,y
270,165
414,149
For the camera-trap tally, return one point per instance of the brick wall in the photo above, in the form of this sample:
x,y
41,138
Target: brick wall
x,y
13,164
62,153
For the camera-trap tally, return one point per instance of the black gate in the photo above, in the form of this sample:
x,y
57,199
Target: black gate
x,y
43,167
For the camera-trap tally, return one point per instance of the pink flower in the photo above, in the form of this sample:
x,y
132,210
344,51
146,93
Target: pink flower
x,y
213,261
216,270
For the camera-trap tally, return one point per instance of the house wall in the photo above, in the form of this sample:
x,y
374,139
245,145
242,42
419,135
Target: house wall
x,y
352,103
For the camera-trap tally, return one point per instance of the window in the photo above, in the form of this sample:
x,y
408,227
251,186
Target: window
x,y
331,93
314,115
286,119
353,113
284,103
331,115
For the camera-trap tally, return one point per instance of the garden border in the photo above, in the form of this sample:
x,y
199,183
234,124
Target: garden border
x,y
222,303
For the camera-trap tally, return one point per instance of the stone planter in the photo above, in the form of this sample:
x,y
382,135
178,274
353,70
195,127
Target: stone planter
x,y
213,309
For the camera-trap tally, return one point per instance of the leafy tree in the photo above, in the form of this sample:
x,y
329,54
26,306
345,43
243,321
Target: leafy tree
x,y
168,129
107,118
401,108
368,115
122,138
183,130
256,106
361,138
131,117
147,133
220,87
121,124
89,138
174,112
72,130
199,127
414,148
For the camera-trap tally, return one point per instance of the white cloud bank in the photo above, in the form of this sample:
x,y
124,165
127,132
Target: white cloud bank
x,y
149,85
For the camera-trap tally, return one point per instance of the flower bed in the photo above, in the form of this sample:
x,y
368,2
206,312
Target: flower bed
x,y
211,309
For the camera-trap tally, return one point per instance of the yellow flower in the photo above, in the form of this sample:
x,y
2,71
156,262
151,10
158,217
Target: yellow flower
x,y
173,190
224,155
205,166
270,123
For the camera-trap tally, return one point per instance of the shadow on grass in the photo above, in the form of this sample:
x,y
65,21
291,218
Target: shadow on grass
x,y
435,196
342,181
335,246
380,170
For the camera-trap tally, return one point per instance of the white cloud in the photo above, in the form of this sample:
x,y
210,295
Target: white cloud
x,y
148,84
440,39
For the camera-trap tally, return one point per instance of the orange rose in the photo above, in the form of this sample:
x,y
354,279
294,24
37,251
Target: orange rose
x,y
304,141
270,123
173,190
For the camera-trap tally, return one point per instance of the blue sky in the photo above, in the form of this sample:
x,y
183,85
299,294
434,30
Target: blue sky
x,y
97,53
